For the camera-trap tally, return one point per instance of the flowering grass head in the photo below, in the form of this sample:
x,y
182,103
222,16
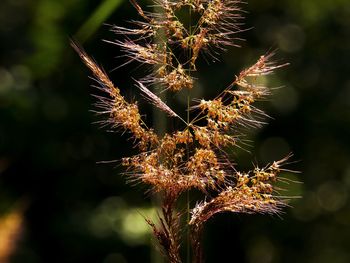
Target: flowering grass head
x,y
194,156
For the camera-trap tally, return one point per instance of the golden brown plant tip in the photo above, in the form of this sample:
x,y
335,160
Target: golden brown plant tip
x,y
195,156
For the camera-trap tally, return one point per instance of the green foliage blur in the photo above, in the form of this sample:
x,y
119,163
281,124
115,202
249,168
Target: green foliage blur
x,y
78,209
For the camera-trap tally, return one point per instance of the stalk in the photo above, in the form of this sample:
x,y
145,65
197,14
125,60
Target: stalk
x,y
188,247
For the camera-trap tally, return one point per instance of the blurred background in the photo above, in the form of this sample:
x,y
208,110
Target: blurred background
x,y
58,204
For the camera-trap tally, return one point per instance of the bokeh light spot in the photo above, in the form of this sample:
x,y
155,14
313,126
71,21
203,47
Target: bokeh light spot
x,y
6,81
332,196
291,38
308,208
22,76
261,251
285,100
114,216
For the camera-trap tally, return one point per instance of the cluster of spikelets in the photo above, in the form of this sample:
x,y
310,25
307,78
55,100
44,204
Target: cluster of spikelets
x,y
193,157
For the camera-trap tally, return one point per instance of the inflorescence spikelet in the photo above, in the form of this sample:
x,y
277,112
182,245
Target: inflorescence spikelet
x,y
195,156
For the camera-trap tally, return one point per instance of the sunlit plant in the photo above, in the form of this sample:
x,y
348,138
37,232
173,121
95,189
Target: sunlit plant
x,y
194,156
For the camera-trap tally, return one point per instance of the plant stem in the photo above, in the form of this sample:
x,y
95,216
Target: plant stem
x,y
188,192
188,259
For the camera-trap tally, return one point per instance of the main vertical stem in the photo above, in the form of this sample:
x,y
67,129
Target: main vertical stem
x,y
188,258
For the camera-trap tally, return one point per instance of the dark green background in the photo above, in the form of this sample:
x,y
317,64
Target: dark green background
x,y
80,211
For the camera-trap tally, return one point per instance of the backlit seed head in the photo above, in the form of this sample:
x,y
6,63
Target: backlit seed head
x,y
198,154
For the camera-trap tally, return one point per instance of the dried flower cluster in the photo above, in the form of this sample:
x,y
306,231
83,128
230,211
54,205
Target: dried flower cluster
x,y
193,157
